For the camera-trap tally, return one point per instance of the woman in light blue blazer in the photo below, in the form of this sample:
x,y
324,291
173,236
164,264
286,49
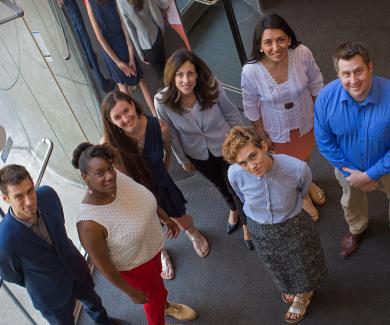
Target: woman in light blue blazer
x,y
200,114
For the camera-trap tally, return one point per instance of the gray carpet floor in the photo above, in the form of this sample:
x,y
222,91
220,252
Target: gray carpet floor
x,y
231,286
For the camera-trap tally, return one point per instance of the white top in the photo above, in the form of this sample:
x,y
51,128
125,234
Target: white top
x,y
134,232
143,25
264,98
195,132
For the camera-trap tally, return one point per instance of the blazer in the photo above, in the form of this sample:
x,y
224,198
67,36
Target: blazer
x,y
196,133
47,272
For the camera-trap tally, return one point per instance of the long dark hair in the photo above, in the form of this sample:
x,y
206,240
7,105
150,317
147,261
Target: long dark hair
x,y
133,162
206,88
272,21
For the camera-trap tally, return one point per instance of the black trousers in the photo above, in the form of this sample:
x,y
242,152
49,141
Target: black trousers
x,y
156,56
215,170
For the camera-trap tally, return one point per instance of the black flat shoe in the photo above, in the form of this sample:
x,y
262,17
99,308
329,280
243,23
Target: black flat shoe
x,y
230,228
249,244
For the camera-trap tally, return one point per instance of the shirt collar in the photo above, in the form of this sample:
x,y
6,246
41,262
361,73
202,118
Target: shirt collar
x,y
27,224
373,95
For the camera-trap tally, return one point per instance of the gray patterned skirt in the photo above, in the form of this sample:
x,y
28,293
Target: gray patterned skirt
x,y
291,252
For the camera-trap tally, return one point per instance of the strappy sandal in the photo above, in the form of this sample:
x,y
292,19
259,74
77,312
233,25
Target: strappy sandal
x,y
309,207
168,273
198,240
316,194
299,307
287,298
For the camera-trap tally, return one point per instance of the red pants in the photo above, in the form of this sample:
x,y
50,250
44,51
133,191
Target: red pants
x,y
147,278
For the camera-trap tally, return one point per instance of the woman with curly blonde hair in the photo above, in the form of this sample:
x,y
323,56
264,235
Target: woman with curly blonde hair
x,y
272,187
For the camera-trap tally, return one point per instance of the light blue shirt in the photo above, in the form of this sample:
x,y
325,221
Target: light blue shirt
x,y
276,196
351,134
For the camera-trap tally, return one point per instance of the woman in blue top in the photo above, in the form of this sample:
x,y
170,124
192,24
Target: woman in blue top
x,y
116,47
272,188
127,129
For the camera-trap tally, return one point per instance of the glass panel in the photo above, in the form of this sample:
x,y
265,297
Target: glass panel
x,y
42,95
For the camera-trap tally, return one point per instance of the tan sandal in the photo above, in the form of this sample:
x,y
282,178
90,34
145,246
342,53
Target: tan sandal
x,y
309,207
168,272
199,241
299,307
287,298
316,194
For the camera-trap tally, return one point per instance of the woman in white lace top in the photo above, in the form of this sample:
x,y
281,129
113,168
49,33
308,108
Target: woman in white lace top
x,y
279,85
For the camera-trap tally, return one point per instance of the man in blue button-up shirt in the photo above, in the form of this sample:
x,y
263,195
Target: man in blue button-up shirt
x,y
352,129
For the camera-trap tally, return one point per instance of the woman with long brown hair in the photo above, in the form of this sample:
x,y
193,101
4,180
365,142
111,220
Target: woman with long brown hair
x,y
132,133
199,115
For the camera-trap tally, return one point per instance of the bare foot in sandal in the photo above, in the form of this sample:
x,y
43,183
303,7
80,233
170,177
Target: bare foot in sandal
x,y
288,298
201,246
299,307
168,273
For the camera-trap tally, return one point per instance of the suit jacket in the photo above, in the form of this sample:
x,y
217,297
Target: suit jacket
x,y
47,272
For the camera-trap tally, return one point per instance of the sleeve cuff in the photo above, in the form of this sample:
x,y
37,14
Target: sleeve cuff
x,y
374,173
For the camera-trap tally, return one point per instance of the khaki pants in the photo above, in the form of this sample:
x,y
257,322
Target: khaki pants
x,y
354,202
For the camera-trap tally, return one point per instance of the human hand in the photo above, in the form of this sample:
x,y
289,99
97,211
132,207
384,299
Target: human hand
x,y
356,178
132,67
370,186
172,229
189,167
146,62
139,297
124,67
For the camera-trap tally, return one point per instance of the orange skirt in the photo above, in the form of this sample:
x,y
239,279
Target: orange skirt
x,y
300,147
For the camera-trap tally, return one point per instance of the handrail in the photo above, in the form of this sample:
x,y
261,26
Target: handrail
x,y
15,8
45,161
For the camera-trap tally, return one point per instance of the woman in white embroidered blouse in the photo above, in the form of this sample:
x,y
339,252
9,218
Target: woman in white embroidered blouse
x,y
279,85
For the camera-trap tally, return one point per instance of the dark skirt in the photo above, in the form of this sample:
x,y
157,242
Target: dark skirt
x,y
292,253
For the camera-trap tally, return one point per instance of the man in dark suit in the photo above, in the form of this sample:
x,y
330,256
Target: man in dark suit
x,y
36,253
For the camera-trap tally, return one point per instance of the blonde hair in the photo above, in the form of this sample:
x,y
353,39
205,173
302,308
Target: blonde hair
x,y
237,138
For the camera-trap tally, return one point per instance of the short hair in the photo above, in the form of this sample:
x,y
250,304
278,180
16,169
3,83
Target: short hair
x,y
272,21
12,175
237,138
348,50
85,151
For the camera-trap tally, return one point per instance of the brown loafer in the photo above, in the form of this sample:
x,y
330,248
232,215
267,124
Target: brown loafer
x,y
349,244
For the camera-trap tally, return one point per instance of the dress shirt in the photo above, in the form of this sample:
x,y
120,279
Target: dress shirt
x,y
38,228
276,196
264,98
355,135
195,132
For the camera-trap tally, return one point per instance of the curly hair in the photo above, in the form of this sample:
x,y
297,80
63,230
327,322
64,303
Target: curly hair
x,y
85,151
206,88
237,138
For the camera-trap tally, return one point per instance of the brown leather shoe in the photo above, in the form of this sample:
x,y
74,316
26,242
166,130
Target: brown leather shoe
x,y
349,244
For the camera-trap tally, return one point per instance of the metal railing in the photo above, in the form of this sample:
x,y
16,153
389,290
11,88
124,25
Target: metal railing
x,y
37,183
